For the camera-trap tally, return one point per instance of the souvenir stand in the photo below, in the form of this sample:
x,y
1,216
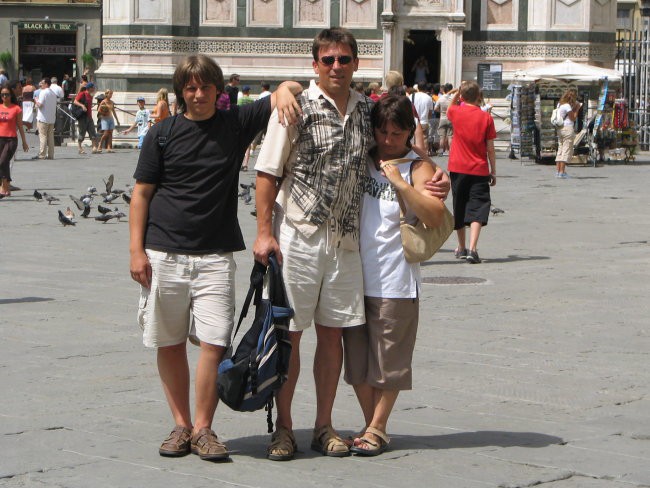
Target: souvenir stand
x,y
609,127
532,133
612,129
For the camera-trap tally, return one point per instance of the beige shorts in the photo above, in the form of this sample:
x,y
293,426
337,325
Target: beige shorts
x,y
380,353
445,128
324,284
190,297
566,137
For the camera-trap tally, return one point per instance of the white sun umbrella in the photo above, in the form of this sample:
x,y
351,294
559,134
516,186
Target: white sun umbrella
x,y
569,70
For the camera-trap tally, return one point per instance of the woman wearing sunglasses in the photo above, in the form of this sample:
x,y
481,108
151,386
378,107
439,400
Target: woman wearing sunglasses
x,y
11,122
378,355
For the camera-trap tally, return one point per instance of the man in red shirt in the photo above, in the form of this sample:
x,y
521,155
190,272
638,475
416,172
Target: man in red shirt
x,y
472,166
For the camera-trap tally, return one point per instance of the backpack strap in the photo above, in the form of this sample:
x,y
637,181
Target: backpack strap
x,y
165,131
254,291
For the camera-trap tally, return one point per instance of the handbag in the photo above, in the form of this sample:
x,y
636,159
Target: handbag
x,y
421,242
76,111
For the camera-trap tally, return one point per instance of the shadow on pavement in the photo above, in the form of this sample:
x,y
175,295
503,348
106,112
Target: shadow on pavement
x,y
509,259
481,438
255,446
6,301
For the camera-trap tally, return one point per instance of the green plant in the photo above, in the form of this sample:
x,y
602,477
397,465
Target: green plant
x,y
88,59
5,58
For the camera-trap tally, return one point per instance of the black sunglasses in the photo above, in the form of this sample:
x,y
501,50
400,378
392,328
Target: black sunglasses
x,y
5,94
330,60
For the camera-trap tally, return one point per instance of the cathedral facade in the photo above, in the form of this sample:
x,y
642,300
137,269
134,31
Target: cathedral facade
x,y
271,39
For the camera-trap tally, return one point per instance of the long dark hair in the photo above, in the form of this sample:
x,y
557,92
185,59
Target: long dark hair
x,y
396,109
13,98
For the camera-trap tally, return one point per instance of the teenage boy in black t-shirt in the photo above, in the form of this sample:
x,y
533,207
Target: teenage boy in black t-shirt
x,y
184,229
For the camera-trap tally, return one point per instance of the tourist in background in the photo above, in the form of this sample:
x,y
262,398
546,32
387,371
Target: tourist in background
x,y
568,108
11,123
141,121
472,166
109,118
161,110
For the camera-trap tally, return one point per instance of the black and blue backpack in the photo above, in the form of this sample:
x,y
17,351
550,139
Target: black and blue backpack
x,y
250,377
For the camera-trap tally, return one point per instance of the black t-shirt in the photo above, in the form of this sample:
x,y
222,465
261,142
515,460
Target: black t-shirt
x,y
232,92
194,208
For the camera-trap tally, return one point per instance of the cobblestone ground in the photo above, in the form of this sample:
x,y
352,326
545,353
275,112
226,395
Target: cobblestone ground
x,y
530,368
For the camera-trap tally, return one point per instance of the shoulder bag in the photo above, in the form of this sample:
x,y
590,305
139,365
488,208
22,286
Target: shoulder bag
x,y
419,241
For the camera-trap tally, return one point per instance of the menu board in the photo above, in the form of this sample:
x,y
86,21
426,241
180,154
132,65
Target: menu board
x,y
490,76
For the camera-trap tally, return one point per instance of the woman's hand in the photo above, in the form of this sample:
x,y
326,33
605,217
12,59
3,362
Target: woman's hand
x,y
392,173
25,146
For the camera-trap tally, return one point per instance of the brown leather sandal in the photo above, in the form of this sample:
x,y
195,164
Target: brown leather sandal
x,y
328,443
206,444
177,443
283,445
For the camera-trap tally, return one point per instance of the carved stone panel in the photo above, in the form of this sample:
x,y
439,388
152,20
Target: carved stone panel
x,y
147,11
311,13
603,15
500,15
499,12
219,12
265,13
569,13
359,14
117,11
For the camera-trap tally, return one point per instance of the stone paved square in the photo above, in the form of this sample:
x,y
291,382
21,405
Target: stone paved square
x,y
536,375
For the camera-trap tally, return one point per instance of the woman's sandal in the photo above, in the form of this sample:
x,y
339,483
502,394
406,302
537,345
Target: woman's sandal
x,y
371,448
328,443
283,445
349,440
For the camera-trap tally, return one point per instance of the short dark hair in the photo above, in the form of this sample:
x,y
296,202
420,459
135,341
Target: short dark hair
x,y
435,88
448,87
396,109
199,67
266,85
47,81
336,35
234,76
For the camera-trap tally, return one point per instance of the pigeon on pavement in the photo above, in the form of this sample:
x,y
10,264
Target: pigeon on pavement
x,y
109,183
65,220
80,205
105,217
110,197
50,198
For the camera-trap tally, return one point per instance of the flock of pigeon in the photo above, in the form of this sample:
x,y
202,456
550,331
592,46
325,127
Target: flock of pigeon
x,y
83,203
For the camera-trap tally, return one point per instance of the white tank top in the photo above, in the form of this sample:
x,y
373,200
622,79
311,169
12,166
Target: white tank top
x,y
386,274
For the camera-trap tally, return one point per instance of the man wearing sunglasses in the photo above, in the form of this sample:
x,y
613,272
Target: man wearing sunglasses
x,y
315,230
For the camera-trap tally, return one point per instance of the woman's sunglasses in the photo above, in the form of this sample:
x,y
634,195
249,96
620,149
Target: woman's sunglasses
x,y
5,94
330,60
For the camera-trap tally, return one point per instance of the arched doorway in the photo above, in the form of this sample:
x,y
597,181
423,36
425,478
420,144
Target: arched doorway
x,y
417,44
